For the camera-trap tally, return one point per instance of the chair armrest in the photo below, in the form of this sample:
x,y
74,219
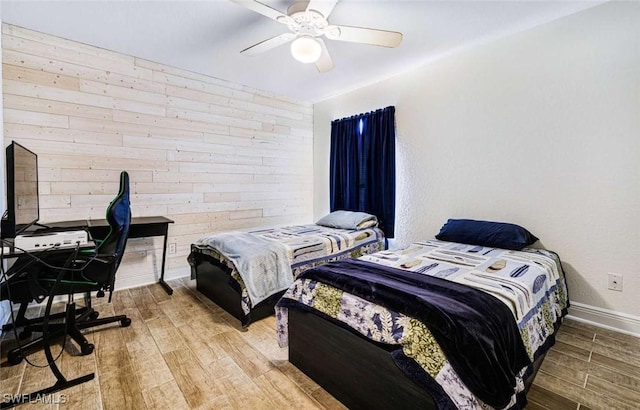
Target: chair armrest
x,y
104,257
86,258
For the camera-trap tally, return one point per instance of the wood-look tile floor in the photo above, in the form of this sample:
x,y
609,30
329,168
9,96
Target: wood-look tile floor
x,y
588,368
184,352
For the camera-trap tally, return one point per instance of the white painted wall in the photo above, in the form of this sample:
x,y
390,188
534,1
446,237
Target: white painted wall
x,y
541,129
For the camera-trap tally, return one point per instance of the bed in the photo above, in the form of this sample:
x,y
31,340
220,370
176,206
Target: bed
x,y
437,324
228,267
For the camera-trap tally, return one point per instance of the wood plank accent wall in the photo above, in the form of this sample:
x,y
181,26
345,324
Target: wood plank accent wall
x,y
210,154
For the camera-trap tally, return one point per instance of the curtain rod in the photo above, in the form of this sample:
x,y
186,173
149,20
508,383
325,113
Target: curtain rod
x,y
365,113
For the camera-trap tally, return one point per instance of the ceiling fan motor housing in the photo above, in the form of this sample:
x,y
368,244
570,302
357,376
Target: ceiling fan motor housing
x,y
305,22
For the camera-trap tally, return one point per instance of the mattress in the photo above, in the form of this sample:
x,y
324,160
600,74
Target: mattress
x,y
306,246
530,283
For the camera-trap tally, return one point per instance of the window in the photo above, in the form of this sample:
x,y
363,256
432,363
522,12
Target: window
x,y
362,165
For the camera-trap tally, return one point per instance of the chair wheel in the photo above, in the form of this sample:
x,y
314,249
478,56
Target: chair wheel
x,y
87,348
125,322
14,357
94,315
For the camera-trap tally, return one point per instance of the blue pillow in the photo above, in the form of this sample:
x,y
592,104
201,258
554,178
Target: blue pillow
x,y
486,233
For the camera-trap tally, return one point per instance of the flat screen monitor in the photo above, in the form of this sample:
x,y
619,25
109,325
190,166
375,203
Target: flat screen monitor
x,y
22,190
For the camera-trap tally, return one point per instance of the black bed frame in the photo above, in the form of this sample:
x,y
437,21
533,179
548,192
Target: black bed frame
x,y
355,370
212,280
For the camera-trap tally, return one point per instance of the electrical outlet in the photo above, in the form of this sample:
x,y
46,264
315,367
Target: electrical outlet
x,y
172,248
615,282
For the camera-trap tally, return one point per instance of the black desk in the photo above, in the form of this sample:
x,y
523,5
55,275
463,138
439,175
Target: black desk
x,y
141,227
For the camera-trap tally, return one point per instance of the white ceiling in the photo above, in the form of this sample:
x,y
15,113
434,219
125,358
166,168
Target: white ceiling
x,y
207,36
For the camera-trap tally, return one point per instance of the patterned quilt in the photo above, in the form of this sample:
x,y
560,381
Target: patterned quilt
x,y
306,245
530,282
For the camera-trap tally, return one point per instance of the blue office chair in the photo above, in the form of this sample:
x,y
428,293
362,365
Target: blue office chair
x,y
68,274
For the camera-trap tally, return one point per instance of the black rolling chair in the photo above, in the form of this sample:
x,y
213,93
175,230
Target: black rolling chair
x,y
69,273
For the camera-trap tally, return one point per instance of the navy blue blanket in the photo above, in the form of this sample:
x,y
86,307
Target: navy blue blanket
x,y
476,331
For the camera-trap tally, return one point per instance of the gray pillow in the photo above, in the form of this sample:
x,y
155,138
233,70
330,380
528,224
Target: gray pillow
x,y
348,220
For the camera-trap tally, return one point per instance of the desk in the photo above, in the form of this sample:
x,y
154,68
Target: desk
x,y
141,227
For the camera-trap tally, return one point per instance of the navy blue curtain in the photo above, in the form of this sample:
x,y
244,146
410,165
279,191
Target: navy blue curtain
x,y
363,166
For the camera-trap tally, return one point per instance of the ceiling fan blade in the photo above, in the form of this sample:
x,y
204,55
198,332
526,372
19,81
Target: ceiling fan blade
x,y
264,10
268,44
364,35
324,63
324,7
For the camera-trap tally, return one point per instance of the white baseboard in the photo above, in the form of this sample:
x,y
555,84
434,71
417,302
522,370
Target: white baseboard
x,y
143,280
609,319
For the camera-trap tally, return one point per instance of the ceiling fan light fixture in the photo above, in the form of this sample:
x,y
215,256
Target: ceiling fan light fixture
x,y
306,49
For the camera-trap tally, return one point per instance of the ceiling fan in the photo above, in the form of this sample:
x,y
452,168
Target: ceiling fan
x,y
307,21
